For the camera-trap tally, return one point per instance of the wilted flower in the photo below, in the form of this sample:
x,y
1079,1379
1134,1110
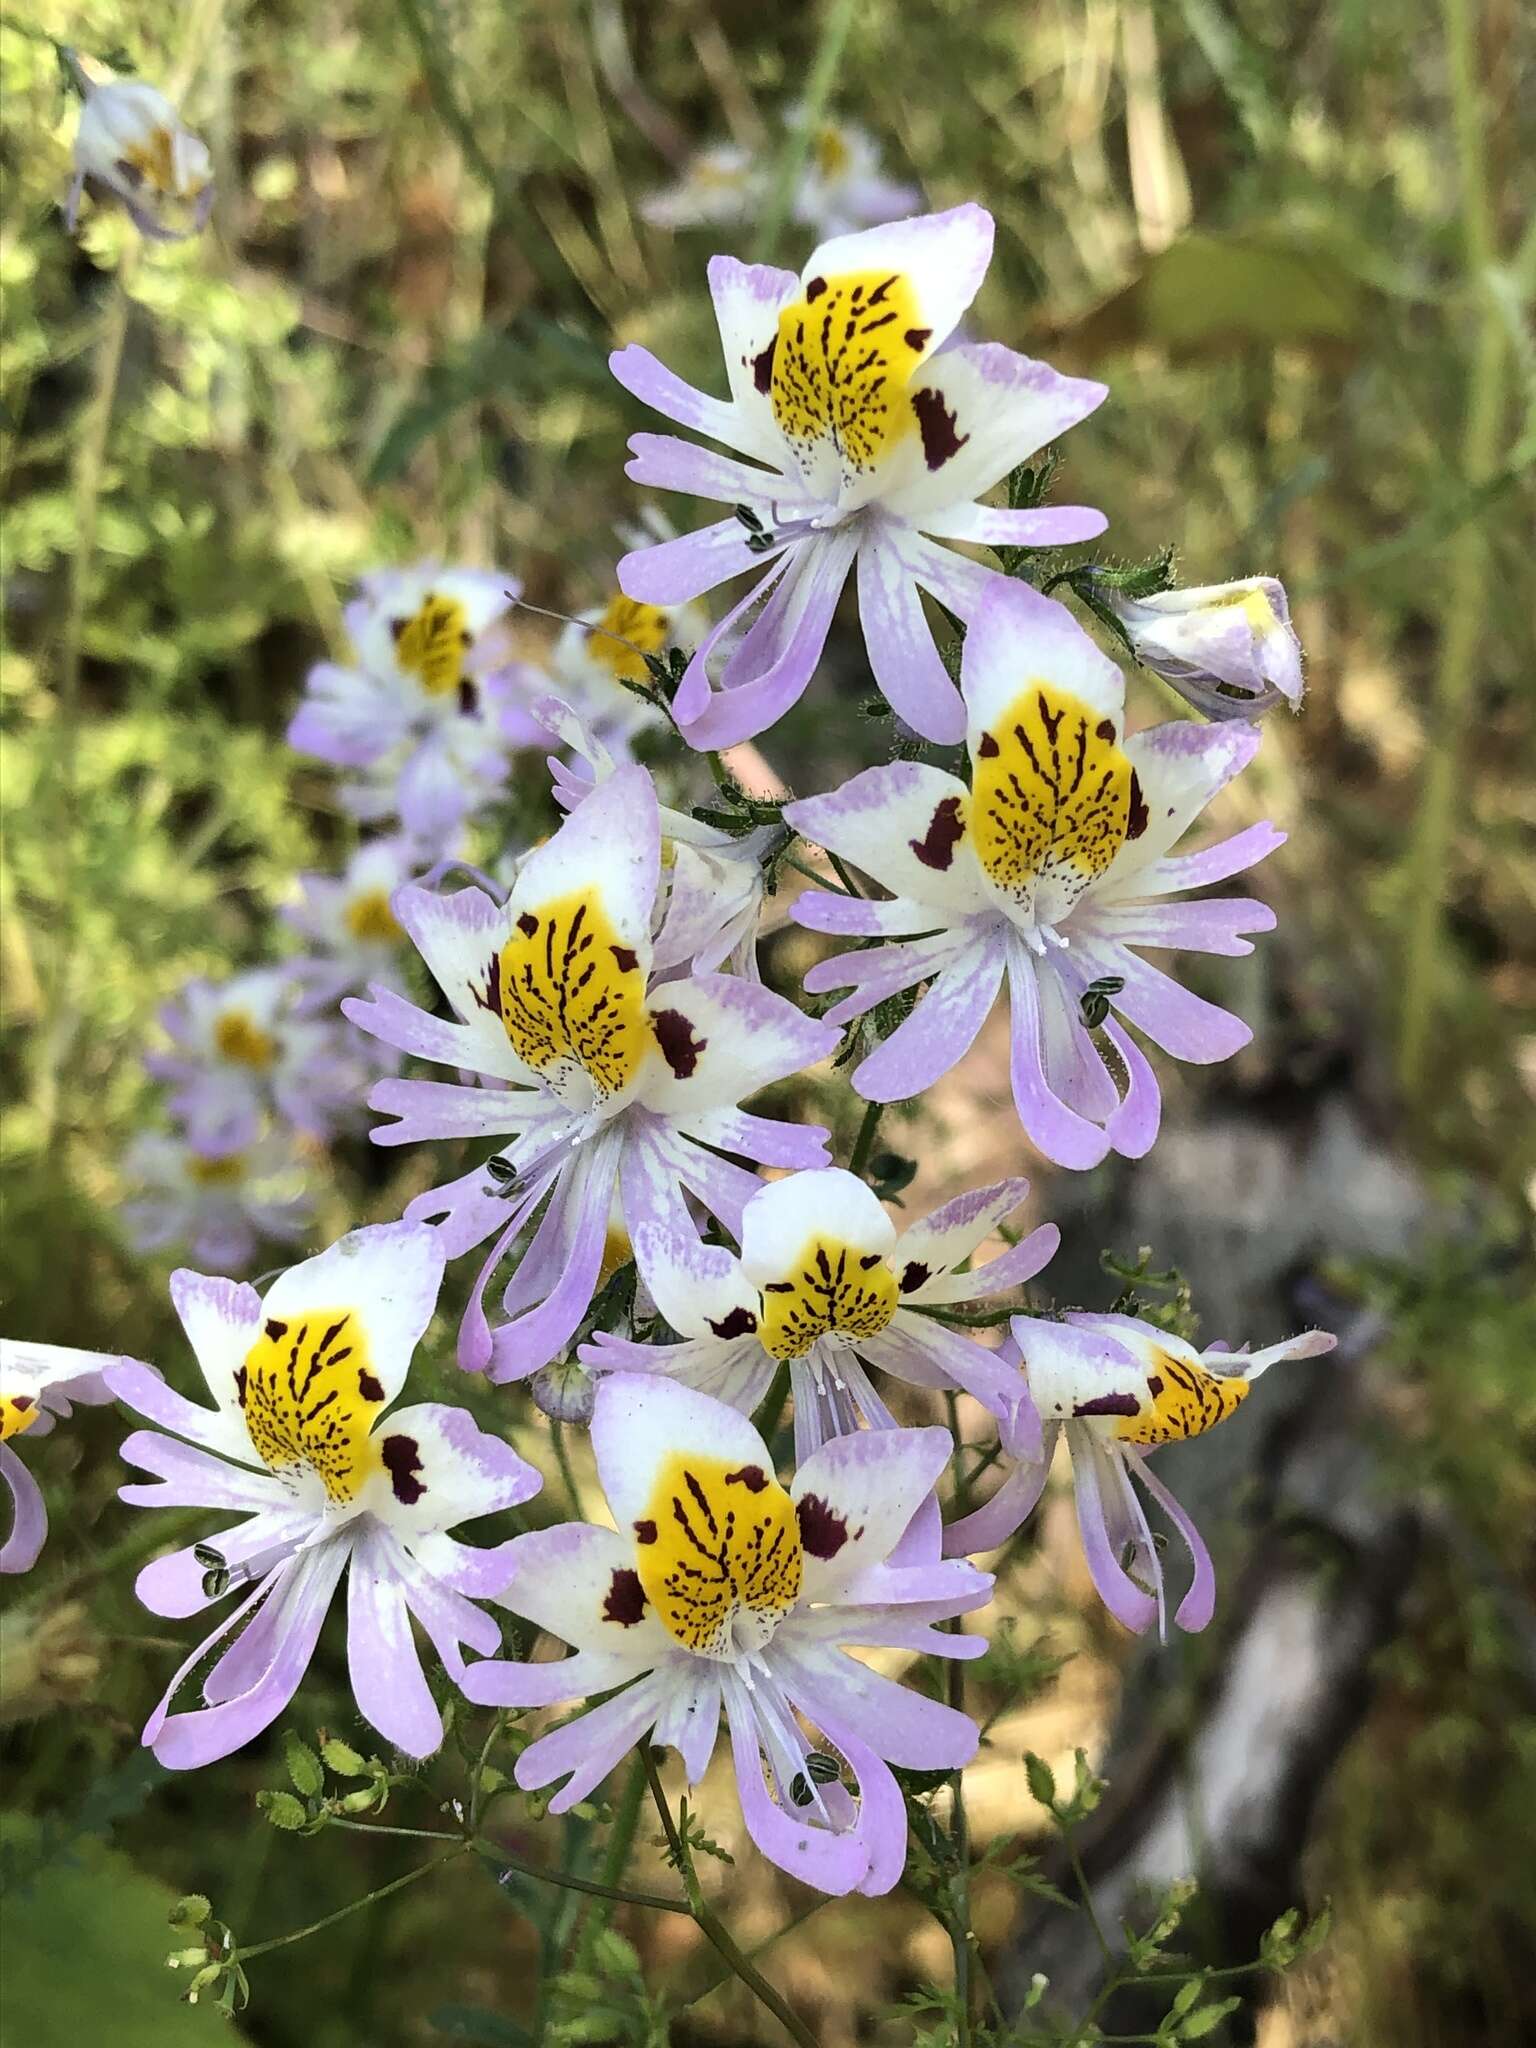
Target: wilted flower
x,y
217,1207
1228,648
419,714
299,1445
1118,1387
719,1588
130,141
1050,867
349,925
39,1384
878,441
825,1283
605,1074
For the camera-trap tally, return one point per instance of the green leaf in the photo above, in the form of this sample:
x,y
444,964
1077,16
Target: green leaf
x,y
303,1766
343,1759
1042,1779
1198,2024
190,1911
283,1811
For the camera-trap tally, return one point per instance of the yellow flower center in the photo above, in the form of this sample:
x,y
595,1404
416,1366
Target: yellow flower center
x,y
1184,1400
1053,797
833,1291
309,1397
570,995
154,161
831,152
240,1039
617,1251
839,367
431,645
719,1555
646,626
369,916
226,1171
17,1412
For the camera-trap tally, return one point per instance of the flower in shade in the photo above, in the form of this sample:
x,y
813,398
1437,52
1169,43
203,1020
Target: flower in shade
x,y
349,926
217,1207
868,443
1052,867
418,713
1117,1388
603,1073
718,1589
327,1478
241,1050
1229,648
130,142
39,1384
825,1284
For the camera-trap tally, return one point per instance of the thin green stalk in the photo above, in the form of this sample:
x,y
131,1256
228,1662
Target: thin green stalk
x,y
1466,582
961,1938
568,1477
772,1410
444,97
864,1143
723,1975
709,1923
658,1902
965,1319
621,1841
246,1954
836,24
810,874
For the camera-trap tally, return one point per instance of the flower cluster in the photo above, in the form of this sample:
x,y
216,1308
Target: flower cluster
x,y
684,1252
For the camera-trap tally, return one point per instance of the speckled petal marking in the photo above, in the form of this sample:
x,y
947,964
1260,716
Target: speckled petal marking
x,y
570,995
833,1291
309,1397
432,643
719,1554
1183,1400
17,1412
840,364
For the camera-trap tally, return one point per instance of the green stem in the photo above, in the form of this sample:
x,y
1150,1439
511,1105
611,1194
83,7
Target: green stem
x,y
864,1143
261,1948
709,1924
966,1319
1463,623
658,1902
568,1477
836,23
444,97
961,1939
772,1410
723,1975
810,874
842,873
621,1840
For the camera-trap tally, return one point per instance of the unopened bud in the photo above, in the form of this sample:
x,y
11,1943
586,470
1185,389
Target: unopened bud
x,y
1228,648
565,1392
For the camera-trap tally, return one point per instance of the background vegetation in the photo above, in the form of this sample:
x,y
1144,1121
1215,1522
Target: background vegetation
x,y
1298,243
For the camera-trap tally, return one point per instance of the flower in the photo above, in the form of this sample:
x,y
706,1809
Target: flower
x,y
1050,867
217,1206
718,186
842,188
419,714
131,142
1117,1387
1227,647
874,447
824,1282
594,657
299,1444
39,1384
348,922
241,1050
720,1588
605,1074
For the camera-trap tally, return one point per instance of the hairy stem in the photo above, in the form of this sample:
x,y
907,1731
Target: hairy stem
x,y
864,1143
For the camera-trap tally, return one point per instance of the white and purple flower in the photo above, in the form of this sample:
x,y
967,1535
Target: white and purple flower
x,y
39,1385
1052,868
604,1073
869,442
131,143
299,1445
1228,648
217,1207
350,928
722,1589
1116,1387
825,1284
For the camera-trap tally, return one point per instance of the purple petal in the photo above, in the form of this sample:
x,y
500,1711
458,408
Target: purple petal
x,y
1048,526
990,1526
941,1029
899,641
1092,1470
656,386
1061,1134
667,464
589,1748
1172,1016
382,1661
29,1519
1213,926
1199,1603
1216,863
677,571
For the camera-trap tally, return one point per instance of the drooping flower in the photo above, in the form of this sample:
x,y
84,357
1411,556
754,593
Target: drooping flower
x,y
875,443
131,142
349,925
1228,648
604,1073
1051,867
825,1283
39,1384
242,1050
1117,1387
299,1445
418,716
217,1207
722,1589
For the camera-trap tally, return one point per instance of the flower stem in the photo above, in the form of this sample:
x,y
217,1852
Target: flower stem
x,y
444,97
563,1460
864,1143
658,1902
1462,616
621,1841
708,1922
961,1938
835,25
260,1948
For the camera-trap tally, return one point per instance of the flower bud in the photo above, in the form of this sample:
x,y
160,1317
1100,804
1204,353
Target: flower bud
x,y
1226,647
565,1392
130,141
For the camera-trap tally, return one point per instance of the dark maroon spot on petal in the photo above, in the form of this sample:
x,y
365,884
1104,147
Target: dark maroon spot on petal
x,y
936,424
870,1260
1105,729
645,1532
402,1461
779,1287
946,828
625,1603
739,1323
821,1530
917,337
762,367
1154,1384
240,1382
988,747
370,1388
752,1477
915,1276
815,288
626,957
275,1329
1109,1404
22,1402
680,1047
469,697
527,924
1136,817
877,296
